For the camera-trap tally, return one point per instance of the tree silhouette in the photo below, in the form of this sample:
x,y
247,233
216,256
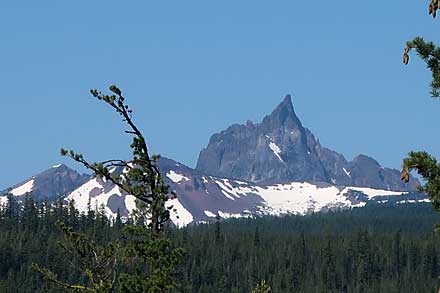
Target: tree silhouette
x,y
147,254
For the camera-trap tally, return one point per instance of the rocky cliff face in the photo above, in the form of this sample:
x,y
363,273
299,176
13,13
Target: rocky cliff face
x,y
280,149
275,149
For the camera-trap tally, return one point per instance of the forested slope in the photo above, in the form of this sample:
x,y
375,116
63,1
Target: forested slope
x,y
373,249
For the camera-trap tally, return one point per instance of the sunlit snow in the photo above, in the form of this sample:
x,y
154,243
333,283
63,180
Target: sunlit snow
x,y
346,172
371,192
176,177
276,150
209,214
23,189
225,215
299,197
81,196
413,201
228,190
3,200
276,199
179,215
130,203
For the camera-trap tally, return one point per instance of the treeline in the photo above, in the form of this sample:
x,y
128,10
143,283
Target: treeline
x,y
373,249
28,234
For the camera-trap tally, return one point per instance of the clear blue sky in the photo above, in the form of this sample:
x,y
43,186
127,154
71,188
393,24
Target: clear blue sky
x,y
192,68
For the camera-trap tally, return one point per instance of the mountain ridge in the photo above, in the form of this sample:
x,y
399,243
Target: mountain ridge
x,y
281,148
54,182
274,167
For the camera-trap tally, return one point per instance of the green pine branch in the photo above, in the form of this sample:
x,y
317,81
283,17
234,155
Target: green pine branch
x,y
430,54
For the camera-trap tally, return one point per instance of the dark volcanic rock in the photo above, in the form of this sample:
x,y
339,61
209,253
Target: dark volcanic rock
x,y
281,149
275,149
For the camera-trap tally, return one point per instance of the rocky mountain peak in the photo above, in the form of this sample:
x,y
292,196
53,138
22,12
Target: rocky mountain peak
x,y
51,183
364,159
283,116
275,149
286,103
281,149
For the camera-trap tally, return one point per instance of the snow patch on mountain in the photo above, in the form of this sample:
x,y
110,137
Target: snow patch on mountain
x,y
228,190
276,150
176,177
209,214
300,197
24,188
371,192
180,216
83,196
227,195
346,172
201,197
3,200
226,215
97,193
412,201
130,203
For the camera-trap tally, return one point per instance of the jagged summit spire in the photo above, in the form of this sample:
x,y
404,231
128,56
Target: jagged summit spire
x,y
287,100
285,105
283,114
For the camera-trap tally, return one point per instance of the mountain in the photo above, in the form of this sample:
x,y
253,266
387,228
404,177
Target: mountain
x,y
281,149
272,168
202,198
50,184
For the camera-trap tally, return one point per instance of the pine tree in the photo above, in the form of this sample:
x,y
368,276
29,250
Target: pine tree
x,y
12,208
430,54
422,162
425,164
146,252
329,274
217,229
256,237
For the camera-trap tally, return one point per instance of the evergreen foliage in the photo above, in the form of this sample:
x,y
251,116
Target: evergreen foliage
x,y
430,54
422,162
427,166
145,251
372,249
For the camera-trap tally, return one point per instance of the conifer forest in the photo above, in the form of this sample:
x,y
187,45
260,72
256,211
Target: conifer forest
x,y
374,249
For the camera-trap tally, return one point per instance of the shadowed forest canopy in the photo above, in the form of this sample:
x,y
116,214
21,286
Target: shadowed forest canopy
x,y
389,248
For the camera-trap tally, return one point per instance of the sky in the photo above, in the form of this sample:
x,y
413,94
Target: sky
x,y
190,69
